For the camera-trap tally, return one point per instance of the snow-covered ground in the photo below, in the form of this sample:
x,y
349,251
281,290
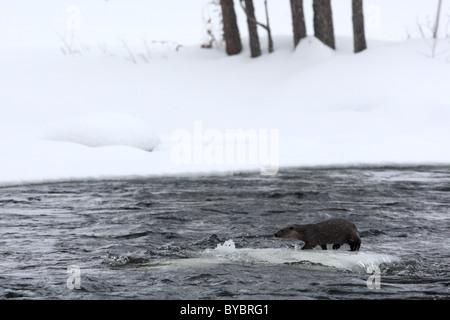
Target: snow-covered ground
x,y
74,105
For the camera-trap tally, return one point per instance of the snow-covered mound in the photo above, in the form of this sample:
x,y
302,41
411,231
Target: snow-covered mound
x,y
104,129
388,104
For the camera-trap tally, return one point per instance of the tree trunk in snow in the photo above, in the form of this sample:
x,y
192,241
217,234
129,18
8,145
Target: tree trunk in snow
x,y
298,21
359,38
255,47
230,28
267,27
323,22
436,28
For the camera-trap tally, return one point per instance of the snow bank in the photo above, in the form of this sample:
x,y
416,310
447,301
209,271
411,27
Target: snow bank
x,y
95,114
104,129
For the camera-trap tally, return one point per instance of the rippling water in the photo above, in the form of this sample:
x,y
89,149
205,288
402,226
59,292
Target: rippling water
x,y
168,238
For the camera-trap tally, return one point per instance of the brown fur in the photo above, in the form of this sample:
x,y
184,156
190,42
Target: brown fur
x,y
335,231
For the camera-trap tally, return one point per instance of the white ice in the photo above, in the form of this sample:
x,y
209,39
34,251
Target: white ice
x,y
331,260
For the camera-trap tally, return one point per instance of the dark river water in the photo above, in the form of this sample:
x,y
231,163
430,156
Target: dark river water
x,y
212,237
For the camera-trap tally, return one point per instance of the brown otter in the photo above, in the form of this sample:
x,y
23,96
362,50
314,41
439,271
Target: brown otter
x,y
335,231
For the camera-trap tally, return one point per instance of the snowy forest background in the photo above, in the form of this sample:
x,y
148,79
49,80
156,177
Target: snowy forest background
x,y
88,88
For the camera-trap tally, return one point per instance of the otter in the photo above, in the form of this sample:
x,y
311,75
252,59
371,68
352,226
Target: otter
x,y
335,231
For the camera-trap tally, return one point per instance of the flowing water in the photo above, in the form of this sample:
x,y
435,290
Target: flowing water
x,y
212,237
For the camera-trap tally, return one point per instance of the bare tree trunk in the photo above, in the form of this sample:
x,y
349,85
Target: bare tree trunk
x,y
298,21
323,22
359,38
436,28
269,31
249,9
265,26
230,28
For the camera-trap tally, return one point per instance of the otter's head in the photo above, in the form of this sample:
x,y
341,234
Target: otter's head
x,y
291,231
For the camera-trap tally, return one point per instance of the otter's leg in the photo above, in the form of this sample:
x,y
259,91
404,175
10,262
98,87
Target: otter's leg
x,y
354,245
336,246
354,241
324,246
308,246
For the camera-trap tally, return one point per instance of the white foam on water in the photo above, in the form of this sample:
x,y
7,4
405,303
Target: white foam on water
x,y
227,246
310,259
